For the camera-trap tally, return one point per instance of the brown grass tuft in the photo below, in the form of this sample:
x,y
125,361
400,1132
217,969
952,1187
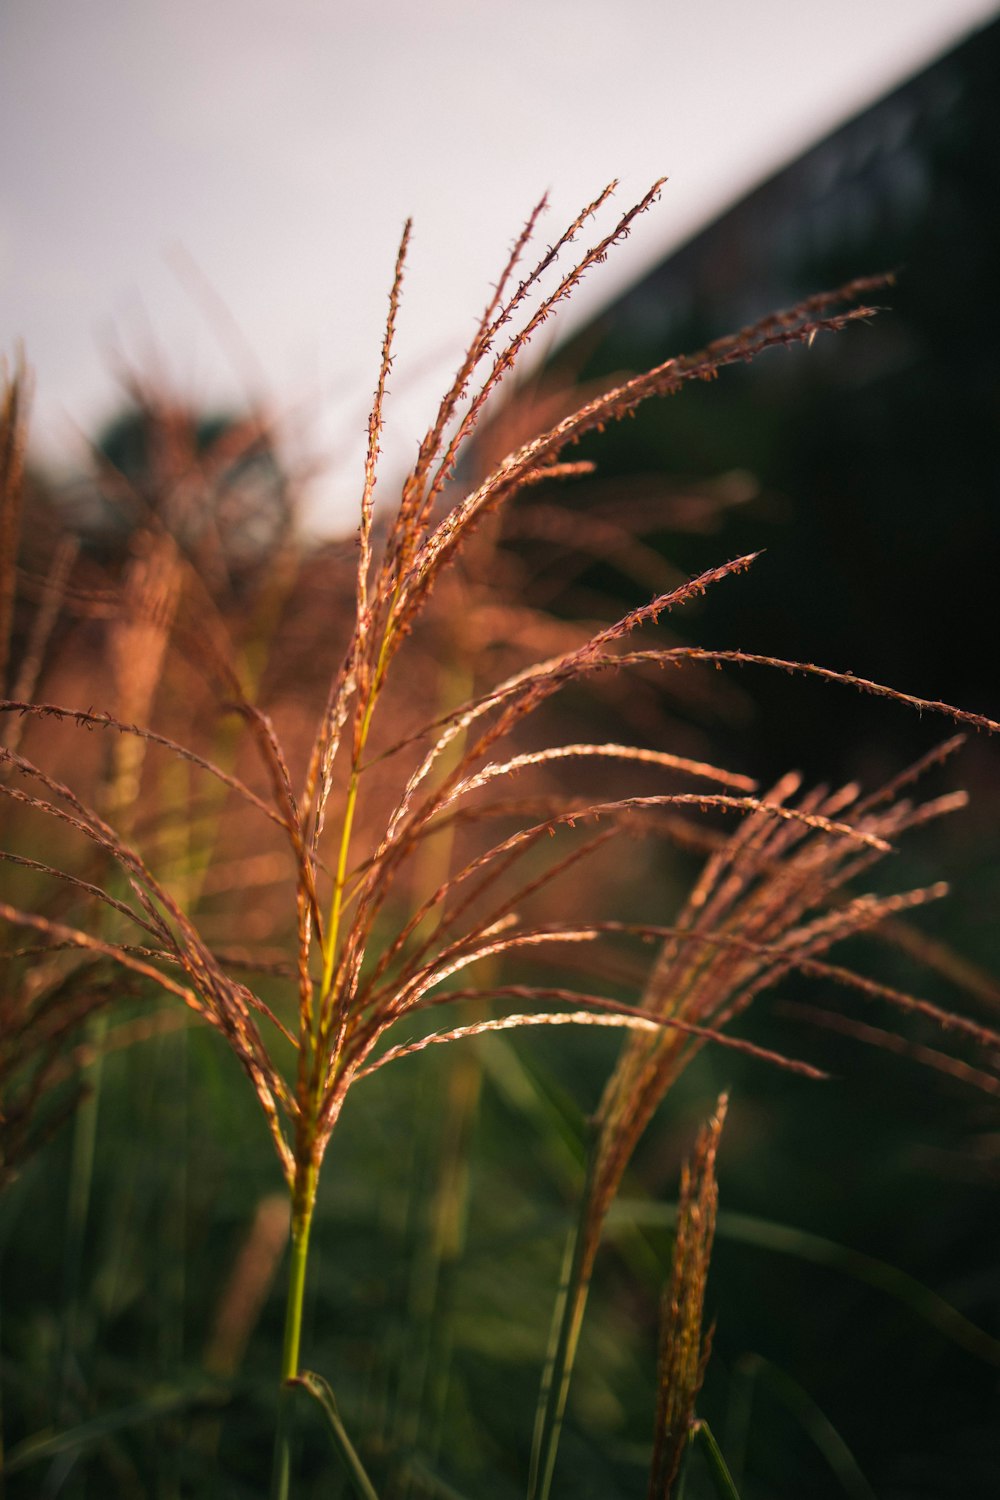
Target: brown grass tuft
x,y
683,1353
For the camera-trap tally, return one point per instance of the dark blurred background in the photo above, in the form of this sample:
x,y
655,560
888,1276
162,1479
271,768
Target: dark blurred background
x,y
869,462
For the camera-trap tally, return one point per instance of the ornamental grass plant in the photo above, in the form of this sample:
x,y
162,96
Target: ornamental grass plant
x,y
446,862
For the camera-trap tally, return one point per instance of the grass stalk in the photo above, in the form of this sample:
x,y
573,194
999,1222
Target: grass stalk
x,y
303,1204
567,1319
347,828
725,1487
315,1386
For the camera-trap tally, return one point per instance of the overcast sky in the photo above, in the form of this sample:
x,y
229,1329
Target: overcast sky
x,y
278,145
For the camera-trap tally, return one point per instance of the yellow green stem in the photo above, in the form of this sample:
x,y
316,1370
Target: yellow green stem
x,y
350,807
303,1203
301,1225
340,881
306,1166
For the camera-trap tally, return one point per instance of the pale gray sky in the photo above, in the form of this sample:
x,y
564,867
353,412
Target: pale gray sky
x,y
280,144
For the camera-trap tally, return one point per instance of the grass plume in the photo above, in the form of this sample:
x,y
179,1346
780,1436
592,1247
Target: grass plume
x,y
683,1352
351,818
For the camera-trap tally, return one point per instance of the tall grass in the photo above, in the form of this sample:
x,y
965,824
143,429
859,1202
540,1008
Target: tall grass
x,y
413,857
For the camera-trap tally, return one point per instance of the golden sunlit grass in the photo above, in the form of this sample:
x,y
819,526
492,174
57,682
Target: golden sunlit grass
x,y
352,831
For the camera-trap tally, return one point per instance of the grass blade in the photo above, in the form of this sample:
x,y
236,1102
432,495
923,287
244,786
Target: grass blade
x,y
315,1386
754,1369
725,1488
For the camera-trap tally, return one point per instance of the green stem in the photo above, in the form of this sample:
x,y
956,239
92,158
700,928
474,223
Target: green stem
x,y
725,1488
319,1390
566,1322
340,881
350,806
303,1203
